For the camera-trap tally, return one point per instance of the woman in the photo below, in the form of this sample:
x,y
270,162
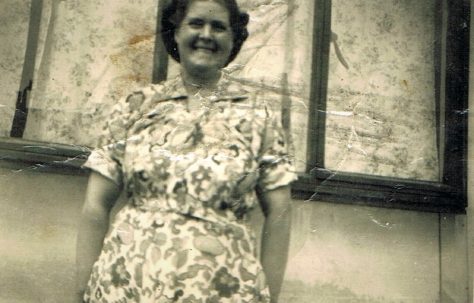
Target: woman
x,y
193,154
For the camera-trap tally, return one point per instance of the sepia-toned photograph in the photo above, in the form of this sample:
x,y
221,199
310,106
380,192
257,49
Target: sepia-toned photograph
x,y
236,151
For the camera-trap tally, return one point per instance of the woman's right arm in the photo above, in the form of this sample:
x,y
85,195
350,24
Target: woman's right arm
x,y
94,221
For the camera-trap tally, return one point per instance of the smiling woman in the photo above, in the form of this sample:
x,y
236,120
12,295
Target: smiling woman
x,y
194,155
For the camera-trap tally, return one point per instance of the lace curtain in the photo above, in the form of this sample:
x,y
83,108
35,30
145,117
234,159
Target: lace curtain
x,y
381,107
90,54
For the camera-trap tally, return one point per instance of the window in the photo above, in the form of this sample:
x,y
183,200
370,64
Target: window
x,y
445,188
321,178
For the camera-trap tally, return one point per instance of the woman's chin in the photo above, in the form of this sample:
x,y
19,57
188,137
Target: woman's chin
x,y
203,68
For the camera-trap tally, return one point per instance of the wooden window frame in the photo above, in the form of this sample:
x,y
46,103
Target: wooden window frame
x,y
448,195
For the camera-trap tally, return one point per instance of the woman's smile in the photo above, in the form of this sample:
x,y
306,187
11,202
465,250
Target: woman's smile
x,y
207,48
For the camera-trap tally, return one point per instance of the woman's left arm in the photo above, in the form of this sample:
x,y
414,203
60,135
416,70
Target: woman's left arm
x,y
276,206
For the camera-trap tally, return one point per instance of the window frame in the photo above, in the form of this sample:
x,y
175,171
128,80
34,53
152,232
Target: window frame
x,y
449,194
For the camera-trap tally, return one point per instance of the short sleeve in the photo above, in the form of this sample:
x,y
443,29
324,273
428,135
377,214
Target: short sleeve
x,y
275,164
107,158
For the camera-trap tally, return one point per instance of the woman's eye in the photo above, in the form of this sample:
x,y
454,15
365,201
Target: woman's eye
x,y
196,23
220,27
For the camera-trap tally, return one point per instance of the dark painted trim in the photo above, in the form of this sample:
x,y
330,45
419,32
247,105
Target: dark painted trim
x,y
21,106
43,155
160,55
457,88
349,188
319,84
439,73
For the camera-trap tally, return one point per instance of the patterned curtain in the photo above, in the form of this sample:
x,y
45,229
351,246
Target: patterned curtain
x,y
92,52
381,117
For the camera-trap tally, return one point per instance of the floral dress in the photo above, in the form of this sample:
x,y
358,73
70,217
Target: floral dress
x,y
190,167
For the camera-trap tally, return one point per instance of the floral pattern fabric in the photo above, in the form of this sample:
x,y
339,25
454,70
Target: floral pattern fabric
x,y
190,166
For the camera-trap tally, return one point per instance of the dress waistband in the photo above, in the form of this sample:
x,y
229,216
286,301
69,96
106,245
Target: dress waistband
x,y
203,213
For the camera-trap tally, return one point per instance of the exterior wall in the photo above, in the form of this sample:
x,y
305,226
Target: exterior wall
x,y
344,253
355,253
38,222
339,253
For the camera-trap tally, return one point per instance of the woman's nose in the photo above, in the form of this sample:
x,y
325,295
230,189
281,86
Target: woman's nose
x,y
206,31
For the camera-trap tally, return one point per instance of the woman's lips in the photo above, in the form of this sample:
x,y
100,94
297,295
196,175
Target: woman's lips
x,y
205,48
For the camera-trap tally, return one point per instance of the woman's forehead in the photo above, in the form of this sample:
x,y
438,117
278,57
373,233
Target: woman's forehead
x,y
207,8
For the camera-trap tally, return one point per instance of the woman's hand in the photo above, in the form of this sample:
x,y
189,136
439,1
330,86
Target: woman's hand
x,y
276,206
100,197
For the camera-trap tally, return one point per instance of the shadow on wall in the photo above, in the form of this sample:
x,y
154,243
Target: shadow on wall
x,y
38,222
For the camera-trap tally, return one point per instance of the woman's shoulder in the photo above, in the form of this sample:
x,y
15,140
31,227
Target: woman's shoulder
x,y
140,100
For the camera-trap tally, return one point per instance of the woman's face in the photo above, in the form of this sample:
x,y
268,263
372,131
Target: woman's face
x,y
204,38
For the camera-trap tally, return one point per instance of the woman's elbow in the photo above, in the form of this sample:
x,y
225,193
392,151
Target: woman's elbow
x,y
100,197
276,202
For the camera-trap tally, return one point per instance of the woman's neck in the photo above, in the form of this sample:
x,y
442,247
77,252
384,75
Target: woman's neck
x,y
200,81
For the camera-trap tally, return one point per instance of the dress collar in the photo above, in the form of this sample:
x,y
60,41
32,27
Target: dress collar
x,y
227,89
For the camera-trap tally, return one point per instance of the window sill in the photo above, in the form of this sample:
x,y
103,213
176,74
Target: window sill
x,y
43,156
323,185
359,189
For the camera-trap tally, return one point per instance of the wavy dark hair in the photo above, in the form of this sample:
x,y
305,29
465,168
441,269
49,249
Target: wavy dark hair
x,y
174,12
